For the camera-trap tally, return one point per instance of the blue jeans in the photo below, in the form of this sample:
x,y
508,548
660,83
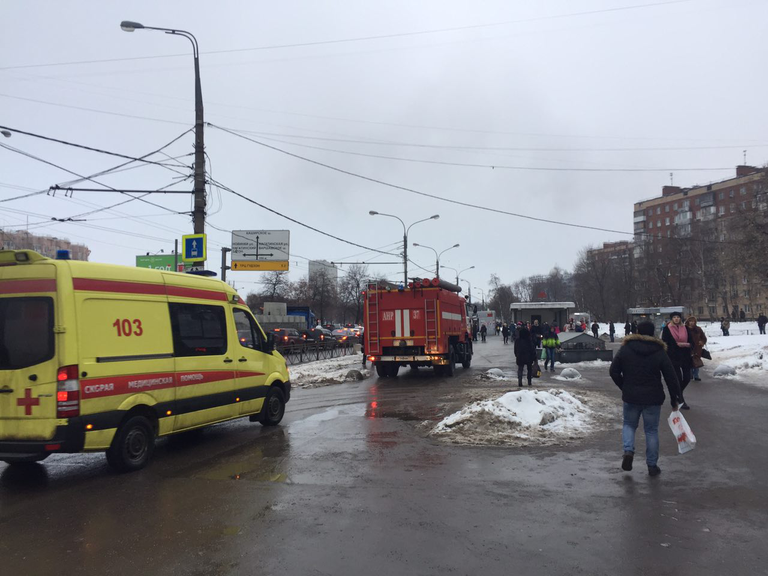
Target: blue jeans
x,y
550,358
695,373
651,416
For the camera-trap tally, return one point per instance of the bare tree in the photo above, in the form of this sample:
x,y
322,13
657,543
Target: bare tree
x,y
351,290
276,285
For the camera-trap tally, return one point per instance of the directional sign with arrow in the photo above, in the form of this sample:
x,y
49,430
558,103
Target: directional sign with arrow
x,y
260,246
194,247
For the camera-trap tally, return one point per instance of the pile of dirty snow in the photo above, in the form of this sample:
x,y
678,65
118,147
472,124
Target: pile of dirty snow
x,y
330,371
534,416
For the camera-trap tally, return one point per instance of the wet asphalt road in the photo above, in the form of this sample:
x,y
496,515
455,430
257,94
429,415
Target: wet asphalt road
x,y
349,484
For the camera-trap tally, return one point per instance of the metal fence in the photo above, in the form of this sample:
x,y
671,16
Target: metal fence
x,y
312,352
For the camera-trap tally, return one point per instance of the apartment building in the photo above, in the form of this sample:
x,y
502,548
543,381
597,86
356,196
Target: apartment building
x,y
45,245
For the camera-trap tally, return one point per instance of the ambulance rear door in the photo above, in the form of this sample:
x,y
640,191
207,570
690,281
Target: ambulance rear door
x,y
28,352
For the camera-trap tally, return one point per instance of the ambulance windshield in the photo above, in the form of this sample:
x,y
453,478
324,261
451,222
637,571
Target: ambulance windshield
x,y
26,332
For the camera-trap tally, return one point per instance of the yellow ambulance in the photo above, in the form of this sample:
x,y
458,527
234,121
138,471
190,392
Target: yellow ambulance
x,y
98,357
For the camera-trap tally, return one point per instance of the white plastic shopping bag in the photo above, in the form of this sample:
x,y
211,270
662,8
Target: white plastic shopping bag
x,y
686,441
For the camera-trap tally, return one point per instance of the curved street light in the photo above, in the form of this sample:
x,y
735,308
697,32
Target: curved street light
x,y
405,238
458,272
198,212
437,255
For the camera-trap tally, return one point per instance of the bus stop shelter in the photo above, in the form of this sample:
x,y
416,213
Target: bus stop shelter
x,y
655,315
581,347
553,313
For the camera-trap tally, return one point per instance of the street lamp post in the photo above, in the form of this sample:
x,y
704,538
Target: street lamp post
x,y
482,294
470,289
458,272
437,255
405,238
198,212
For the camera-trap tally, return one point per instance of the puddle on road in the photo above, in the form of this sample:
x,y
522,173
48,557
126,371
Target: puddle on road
x,y
258,468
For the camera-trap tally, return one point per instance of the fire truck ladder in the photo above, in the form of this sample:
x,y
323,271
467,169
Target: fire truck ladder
x,y
372,329
430,316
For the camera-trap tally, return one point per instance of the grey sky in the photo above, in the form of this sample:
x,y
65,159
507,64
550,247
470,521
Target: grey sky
x,y
681,81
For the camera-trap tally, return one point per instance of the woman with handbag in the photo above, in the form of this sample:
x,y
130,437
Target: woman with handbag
x,y
679,343
699,340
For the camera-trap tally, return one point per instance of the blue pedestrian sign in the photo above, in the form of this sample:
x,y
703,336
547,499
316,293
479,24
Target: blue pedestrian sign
x,y
194,248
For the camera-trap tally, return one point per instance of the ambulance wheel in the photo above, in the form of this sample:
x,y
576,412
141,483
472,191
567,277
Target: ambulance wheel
x,y
274,407
381,370
394,368
132,446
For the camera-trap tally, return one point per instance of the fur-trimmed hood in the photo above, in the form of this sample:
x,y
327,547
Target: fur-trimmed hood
x,y
645,343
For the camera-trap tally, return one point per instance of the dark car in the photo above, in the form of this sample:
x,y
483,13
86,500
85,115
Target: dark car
x,y
317,335
287,337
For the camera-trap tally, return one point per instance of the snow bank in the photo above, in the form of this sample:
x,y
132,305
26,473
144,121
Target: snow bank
x,y
324,372
537,416
748,354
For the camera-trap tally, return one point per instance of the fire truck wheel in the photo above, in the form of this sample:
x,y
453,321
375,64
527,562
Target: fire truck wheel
x,y
381,370
450,368
394,368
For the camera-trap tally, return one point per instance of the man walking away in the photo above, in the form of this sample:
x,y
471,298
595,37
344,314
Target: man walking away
x,y
699,340
637,369
525,354
505,333
679,343
595,328
483,332
762,320
627,329
551,344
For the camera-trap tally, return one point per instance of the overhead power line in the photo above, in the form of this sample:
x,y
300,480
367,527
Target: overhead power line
x,y
440,198
268,209
360,38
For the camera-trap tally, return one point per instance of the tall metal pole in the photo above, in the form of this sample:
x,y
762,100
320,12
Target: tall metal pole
x,y
198,213
405,257
176,255
224,266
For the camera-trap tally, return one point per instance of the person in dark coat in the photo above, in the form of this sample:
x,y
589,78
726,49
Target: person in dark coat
x,y
627,328
611,330
762,320
505,333
483,332
595,328
633,327
525,354
536,333
699,341
637,369
679,341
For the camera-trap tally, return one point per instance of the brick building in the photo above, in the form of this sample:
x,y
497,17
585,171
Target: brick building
x,y
686,242
45,245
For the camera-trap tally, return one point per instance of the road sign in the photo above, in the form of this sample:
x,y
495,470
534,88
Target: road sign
x,y
161,262
263,266
194,248
261,245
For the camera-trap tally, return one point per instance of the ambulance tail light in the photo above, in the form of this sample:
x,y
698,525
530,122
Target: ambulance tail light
x,y
67,392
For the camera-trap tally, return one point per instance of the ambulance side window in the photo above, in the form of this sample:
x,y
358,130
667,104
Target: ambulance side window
x,y
198,330
248,332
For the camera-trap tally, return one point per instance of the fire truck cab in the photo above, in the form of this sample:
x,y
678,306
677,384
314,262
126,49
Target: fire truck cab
x,y
424,324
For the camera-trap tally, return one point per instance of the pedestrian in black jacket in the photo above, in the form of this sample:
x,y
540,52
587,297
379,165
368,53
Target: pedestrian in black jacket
x,y
637,369
525,354
679,341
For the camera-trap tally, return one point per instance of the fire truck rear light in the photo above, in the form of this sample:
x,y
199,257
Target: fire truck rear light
x,y
67,392
371,358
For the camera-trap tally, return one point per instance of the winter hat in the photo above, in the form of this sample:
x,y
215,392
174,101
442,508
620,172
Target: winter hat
x,y
646,328
675,314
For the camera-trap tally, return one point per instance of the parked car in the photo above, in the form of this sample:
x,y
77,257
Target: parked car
x,y
287,337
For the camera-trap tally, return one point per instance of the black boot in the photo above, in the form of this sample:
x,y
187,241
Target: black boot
x,y
626,462
654,470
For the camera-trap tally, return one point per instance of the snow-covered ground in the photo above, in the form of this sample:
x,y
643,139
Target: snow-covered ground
x,y
745,349
324,372
528,416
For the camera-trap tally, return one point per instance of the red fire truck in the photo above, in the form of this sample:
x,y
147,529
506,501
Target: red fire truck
x,y
422,325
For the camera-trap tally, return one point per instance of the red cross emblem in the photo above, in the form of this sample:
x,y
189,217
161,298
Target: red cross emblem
x,y
28,402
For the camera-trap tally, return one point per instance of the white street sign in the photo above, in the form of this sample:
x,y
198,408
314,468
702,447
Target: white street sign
x,y
260,245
